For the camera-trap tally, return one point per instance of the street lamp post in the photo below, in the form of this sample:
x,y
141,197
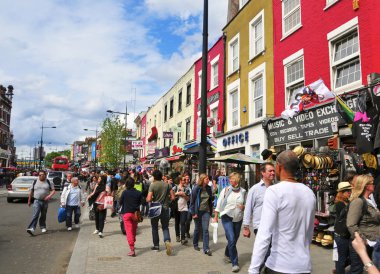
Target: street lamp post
x,y
41,142
96,143
125,124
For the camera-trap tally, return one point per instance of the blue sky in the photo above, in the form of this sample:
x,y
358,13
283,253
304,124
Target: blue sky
x,y
70,61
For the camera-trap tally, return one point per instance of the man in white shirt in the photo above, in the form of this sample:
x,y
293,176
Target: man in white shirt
x,y
289,209
255,199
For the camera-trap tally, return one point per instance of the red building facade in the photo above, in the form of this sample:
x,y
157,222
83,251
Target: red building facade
x,y
215,88
333,40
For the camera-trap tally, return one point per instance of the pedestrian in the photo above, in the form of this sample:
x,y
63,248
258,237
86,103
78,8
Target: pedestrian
x,y
145,204
161,192
100,212
231,208
67,181
189,215
120,190
360,247
182,194
362,217
255,200
72,199
130,202
201,210
289,210
90,182
42,191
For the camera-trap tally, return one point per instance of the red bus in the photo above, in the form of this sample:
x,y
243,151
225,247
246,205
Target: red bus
x,y
60,163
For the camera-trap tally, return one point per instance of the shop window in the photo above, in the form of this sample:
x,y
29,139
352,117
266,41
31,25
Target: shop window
x,y
345,57
294,75
256,39
321,142
291,16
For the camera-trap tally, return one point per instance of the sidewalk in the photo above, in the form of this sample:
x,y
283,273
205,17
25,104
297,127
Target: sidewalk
x,y
109,255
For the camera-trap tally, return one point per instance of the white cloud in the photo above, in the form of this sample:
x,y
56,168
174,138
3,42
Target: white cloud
x,y
70,61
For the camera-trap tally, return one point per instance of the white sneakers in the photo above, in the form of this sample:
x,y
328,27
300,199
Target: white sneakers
x,y
30,231
100,235
95,232
43,230
69,229
235,268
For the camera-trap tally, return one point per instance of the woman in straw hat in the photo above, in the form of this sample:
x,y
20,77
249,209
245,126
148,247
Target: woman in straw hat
x,y
341,236
362,217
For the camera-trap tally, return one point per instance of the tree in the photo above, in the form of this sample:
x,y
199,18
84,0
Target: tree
x,y
111,142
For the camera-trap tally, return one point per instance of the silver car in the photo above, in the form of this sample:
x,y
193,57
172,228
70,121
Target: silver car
x,y
19,188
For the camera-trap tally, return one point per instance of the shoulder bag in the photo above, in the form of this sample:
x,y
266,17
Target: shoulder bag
x,y
156,207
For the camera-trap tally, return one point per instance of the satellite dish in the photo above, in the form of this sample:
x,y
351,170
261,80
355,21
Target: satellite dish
x,y
210,122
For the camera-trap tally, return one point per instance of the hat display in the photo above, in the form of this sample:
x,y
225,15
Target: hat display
x,y
319,237
266,153
342,186
308,160
298,150
327,240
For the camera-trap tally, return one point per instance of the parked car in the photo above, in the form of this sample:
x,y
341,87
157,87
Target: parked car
x,y
57,177
19,188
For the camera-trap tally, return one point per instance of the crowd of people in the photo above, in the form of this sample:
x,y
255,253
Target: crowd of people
x,y
282,238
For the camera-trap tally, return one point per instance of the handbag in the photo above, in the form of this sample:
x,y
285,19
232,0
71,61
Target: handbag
x,y
61,215
108,202
100,200
156,207
138,217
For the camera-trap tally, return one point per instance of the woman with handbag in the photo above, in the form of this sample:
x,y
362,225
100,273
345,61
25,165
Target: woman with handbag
x,y
201,210
97,199
130,203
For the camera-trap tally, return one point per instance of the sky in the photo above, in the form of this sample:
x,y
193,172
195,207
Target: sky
x,y
69,61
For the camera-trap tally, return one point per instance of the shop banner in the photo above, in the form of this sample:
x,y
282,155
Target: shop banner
x,y
152,147
137,145
167,135
315,123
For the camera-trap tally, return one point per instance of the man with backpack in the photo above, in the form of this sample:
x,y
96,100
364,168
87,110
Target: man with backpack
x,y
41,191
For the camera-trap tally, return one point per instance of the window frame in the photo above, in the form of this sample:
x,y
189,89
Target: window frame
x,y
333,38
232,88
214,63
165,112
287,62
180,100
290,13
257,73
187,129
171,107
252,41
231,43
188,94
199,84
179,133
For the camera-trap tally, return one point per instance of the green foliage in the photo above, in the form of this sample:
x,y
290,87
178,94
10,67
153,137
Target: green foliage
x,y
111,142
50,156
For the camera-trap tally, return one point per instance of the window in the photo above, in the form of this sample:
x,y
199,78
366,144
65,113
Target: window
x,y
199,84
345,60
171,107
166,113
294,75
256,35
214,115
179,133
188,94
180,100
159,118
235,108
242,3
215,75
257,86
187,129
233,53
330,2
291,16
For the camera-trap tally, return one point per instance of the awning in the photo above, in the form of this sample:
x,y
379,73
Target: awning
x,y
174,158
193,148
154,134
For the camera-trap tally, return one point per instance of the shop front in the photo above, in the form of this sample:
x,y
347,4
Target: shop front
x,y
249,141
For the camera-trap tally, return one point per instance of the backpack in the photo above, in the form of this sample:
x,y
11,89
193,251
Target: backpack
x,y
35,181
341,220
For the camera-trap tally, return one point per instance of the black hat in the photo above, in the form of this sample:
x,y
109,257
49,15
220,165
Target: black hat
x,y
266,153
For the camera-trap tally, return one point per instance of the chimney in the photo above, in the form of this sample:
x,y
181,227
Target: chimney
x,y
233,8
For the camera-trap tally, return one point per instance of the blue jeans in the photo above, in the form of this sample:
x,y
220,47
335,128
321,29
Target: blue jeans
x,y
356,262
202,222
183,219
343,253
164,218
232,230
69,215
39,207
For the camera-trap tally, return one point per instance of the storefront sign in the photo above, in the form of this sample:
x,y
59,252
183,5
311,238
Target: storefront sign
x,y
210,99
137,145
167,135
152,147
238,138
315,123
163,152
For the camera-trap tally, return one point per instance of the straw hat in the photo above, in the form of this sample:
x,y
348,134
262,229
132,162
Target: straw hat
x,y
298,150
327,240
342,186
308,160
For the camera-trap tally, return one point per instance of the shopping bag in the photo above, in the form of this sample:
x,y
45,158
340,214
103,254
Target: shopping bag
x,y
155,210
214,232
91,213
61,215
108,202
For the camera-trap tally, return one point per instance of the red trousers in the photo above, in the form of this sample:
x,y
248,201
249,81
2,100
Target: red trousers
x,y
130,229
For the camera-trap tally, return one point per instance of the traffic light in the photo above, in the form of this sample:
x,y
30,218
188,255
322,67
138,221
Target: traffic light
x,y
333,142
